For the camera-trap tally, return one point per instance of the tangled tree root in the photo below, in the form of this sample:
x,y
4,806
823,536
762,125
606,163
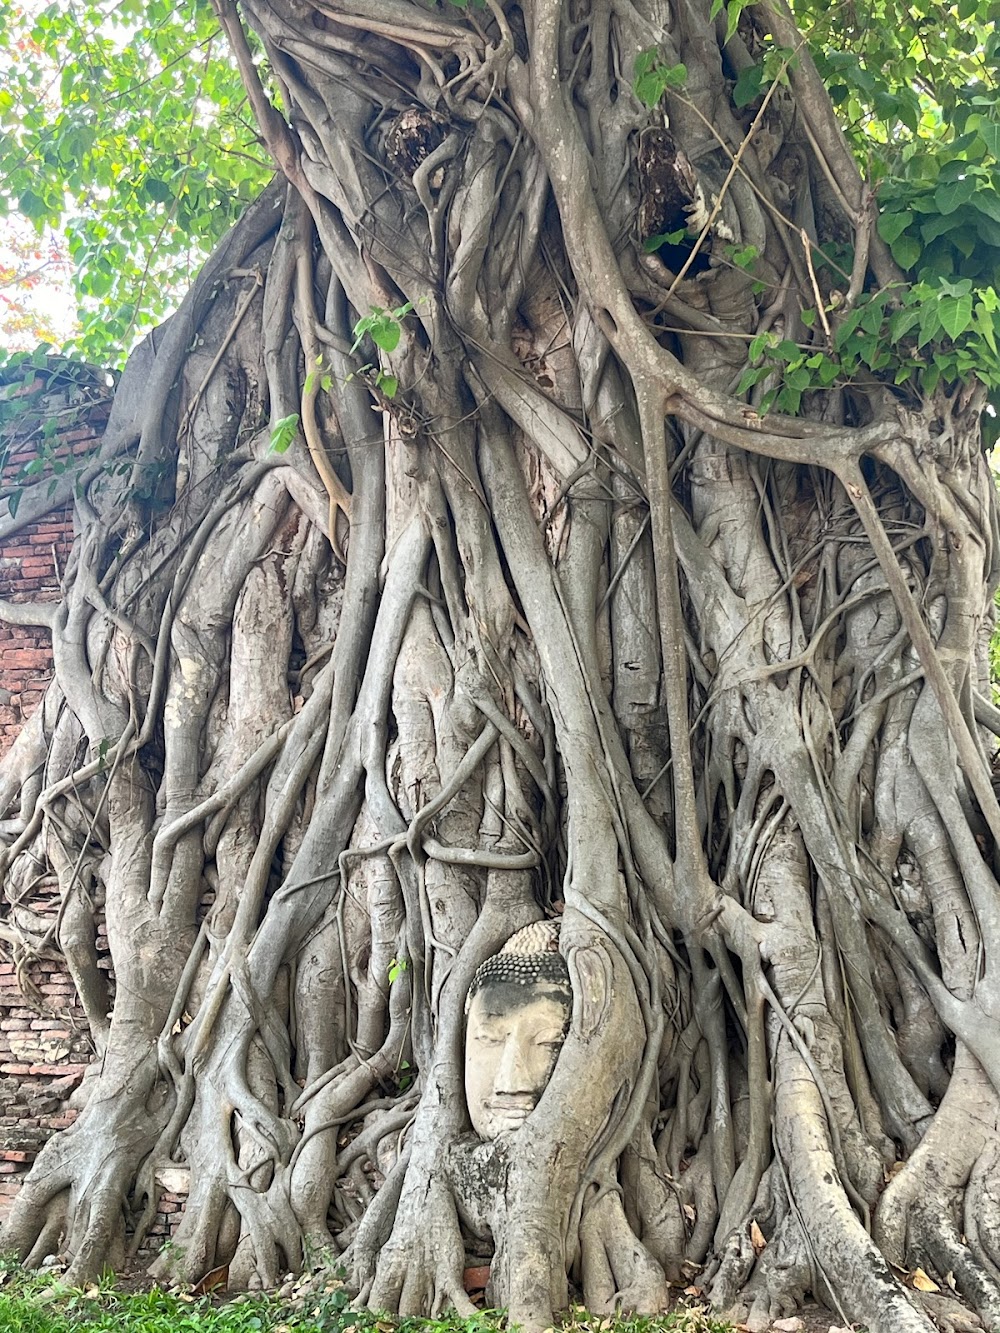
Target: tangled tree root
x,y
561,628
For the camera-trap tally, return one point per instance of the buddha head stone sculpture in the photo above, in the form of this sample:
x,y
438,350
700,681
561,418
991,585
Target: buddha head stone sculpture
x,y
519,1006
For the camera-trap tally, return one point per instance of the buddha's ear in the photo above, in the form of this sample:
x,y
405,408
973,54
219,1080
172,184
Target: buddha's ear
x,y
590,973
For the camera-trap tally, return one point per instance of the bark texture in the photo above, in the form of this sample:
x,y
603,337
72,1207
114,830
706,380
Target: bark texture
x,y
562,625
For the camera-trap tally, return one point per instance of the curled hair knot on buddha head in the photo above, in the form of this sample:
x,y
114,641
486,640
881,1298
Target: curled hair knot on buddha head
x,y
529,957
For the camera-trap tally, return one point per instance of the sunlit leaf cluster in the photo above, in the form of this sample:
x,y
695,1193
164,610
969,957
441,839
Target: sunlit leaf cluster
x,y
936,331
916,88
124,130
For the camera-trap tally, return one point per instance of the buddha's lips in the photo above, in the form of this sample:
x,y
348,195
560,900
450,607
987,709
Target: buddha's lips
x,y
513,1107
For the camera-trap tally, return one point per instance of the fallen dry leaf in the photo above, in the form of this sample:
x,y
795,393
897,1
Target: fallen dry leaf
x,y
922,1282
215,1277
757,1239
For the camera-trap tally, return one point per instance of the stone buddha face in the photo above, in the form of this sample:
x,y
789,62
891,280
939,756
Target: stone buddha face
x,y
518,1014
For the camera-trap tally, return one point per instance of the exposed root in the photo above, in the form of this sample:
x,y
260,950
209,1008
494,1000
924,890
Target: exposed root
x,y
694,684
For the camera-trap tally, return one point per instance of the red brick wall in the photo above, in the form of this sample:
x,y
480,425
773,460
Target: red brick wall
x,y
44,1050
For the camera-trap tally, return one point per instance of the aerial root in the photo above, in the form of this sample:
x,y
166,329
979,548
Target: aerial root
x,y
51,1232
935,1242
420,1267
948,1313
754,1287
982,1210
198,1243
618,1270
939,1212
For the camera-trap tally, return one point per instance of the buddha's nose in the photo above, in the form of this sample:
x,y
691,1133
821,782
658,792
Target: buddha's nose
x,y
513,1073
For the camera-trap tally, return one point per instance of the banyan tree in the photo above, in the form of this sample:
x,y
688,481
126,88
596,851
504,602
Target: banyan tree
x,y
536,781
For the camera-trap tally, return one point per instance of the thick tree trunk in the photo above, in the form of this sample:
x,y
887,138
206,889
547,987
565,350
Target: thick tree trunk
x,y
536,617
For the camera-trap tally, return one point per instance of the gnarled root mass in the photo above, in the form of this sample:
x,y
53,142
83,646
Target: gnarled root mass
x,y
534,617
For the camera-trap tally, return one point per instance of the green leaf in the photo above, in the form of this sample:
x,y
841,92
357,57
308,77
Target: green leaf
x,y
283,433
159,191
746,257
733,11
650,86
652,243
32,205
987,326
386,335
930,322
648,89
645,61
828,371
846,330
935,226
906,250
759,343
903,321
675,76
389,385
987,200
892,225
989,132
960,288
753,375
747,88
955,314
789,400
952,195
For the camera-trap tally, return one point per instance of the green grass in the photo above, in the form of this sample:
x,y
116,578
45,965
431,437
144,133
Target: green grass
x,y
41,1303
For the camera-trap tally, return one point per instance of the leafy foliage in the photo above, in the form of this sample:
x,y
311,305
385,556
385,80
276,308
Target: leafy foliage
x,y
123,130
933,332
40,1303
283,433
916,86
385,331
653,77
